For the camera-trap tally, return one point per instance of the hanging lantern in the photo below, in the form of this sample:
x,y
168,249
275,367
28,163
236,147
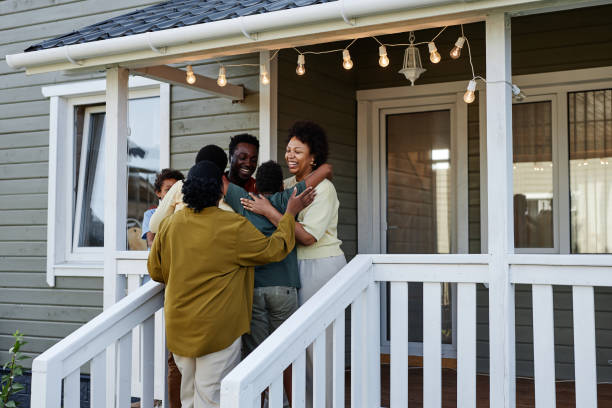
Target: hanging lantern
x,y
412,67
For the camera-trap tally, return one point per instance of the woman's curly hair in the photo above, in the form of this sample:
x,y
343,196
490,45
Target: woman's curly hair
x,y
203,187
314,137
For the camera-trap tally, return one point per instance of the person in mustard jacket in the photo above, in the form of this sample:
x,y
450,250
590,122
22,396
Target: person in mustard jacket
x,y
206,258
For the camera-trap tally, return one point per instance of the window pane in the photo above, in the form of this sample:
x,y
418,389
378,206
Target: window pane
x,y
532,175
419,201
91,222
590,155
143,163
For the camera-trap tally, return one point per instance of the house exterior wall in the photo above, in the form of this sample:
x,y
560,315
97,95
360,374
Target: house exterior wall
x,y
47,314
566,40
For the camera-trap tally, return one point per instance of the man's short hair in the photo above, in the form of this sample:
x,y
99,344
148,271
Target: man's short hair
x,y
214,154
242,138
269,178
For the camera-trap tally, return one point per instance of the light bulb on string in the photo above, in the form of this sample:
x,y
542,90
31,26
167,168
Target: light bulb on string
x,y
347,63
518,95
190,76
434,55
470,95
383,61
456,51
301,65
263,73
221,80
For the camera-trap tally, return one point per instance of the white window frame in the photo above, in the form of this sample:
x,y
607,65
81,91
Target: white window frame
x,y
62,260
555,126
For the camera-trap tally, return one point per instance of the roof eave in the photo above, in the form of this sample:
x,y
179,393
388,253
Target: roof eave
x,y
250,33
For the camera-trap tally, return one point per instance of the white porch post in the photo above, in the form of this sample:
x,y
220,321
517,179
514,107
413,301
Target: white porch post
x,y
115,185
115,201
500,221
268,95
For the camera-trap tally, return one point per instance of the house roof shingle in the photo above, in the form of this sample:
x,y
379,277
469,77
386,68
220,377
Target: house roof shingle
x,y
170,14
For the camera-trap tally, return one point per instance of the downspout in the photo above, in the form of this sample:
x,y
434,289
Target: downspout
x,y
226,28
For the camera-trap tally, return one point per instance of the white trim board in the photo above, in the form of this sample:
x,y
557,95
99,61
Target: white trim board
x,y
280,29
98,86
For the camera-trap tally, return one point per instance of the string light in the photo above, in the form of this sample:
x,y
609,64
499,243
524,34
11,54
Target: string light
x,y
190,76
347,62
456,51
470,95
383,61
434,55
221,80
517,93
301,65
265,78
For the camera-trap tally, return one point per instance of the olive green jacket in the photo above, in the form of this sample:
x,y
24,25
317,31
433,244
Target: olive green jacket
x,y
206,260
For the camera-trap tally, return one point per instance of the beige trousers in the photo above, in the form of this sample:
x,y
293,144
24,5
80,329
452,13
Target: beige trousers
x,y
201,377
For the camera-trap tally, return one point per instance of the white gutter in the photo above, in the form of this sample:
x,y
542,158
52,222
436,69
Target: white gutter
x,y
248,26
196,38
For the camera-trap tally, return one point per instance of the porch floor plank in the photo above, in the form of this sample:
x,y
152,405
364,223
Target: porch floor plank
x,y
525,392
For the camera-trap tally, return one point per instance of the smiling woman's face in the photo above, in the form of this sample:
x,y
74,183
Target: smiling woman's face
x,y
243,163
299,159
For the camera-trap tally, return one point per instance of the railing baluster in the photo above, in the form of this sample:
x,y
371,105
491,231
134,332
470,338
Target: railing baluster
x,y
372,350
124,371
432,345
357,350
98,381
584,346
147,362
72,389
466,345
298,381
544,346
338,364
399,345
318,371
166,398
275,398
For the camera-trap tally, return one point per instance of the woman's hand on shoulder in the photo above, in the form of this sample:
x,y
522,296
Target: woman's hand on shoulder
x,y
258,205
298,202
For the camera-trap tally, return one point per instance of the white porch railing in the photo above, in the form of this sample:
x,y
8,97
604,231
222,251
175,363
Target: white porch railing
x,y
357,286
112,330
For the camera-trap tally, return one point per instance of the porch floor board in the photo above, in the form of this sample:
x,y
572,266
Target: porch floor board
x,y
524,390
